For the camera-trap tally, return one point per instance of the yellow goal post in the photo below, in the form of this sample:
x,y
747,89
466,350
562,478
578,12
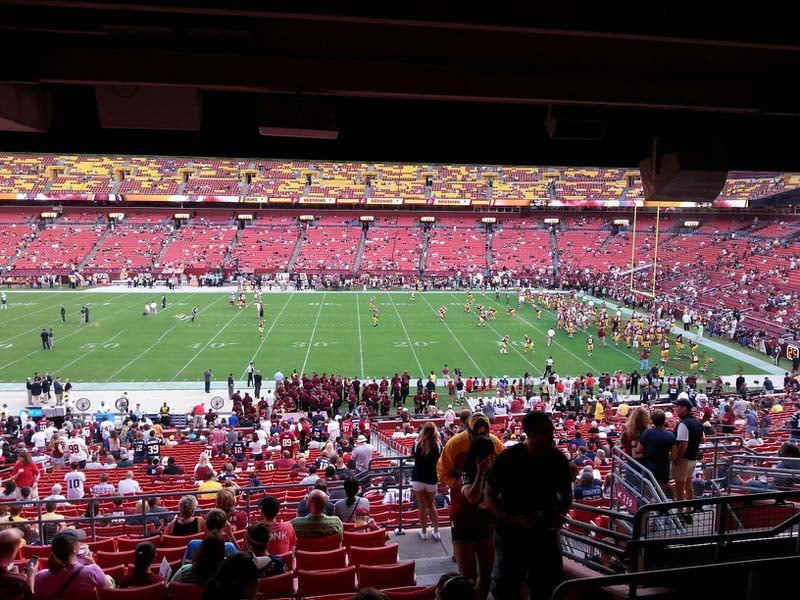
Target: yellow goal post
x,y
635,266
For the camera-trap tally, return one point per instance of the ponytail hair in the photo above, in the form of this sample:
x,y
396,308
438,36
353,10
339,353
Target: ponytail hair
x,y
62,550
351,486
143,557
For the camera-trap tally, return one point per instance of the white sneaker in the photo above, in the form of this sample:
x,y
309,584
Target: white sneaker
x,y
423,535
436,536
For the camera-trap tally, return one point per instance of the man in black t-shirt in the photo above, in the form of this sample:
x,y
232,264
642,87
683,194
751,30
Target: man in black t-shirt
x,y
153,446
139,450
530,511
686,452
238,449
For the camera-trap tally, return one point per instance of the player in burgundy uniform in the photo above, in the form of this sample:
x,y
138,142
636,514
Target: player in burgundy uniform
x,y
347,427
286,438
365,426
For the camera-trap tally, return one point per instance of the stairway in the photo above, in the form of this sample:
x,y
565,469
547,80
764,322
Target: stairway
x,y
93,252
423,255
554,248
360,251
234,242
163,251
295,252
489,256
20,250
607,241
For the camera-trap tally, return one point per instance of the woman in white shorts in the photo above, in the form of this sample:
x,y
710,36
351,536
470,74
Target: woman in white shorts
x,y
424,479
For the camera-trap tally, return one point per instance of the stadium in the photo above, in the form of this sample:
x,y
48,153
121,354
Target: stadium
x,y
631,257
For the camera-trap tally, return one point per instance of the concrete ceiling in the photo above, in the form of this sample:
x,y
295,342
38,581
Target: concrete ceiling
x,y
416,82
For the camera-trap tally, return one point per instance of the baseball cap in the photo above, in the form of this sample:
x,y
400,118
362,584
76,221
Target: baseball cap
x,y
478,424
684,402
361,439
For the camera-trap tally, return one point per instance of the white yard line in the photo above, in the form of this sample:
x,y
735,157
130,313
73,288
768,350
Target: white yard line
x,y
85,354
313,331
266,335
153,345
455,337
514,348
564,348
764,364
408,337
360,341
158,341
216,335
60,338
27,315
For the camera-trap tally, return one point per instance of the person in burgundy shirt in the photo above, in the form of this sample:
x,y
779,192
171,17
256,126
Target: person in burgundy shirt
x,y
347,427
286,438
286,461
141,575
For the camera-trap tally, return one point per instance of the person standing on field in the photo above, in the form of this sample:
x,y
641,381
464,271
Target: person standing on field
x,y
207,380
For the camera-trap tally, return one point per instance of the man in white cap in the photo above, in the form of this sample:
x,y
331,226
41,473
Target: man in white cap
x,y
449,415
362,454
334,427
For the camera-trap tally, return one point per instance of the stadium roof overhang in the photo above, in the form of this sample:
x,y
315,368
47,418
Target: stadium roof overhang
x,y
407,82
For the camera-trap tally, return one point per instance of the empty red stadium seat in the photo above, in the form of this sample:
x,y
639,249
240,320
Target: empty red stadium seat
x,y
329,542
111,559
328,581
277,586
185,591
387,576
157,591
328,559
412,592
379,555
364,540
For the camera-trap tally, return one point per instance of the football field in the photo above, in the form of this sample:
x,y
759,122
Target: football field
x,y
307,331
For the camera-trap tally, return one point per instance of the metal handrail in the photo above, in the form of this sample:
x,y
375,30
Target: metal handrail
x,y
699,575
101,520
722,507
404,464
641,475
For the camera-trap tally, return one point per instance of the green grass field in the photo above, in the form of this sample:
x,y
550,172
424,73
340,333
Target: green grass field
x,y
329,332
